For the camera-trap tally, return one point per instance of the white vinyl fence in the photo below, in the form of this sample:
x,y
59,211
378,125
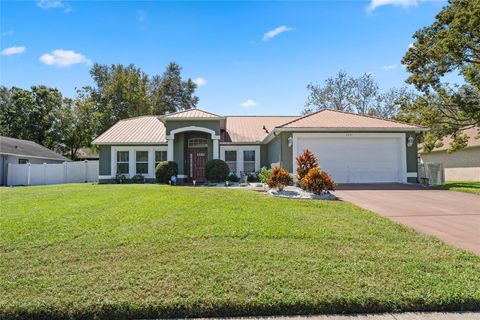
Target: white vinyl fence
x,y
52,173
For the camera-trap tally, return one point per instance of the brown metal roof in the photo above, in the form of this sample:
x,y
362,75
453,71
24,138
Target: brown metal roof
x,y
473,140
248,129
242,129
144,130
192,113
327,118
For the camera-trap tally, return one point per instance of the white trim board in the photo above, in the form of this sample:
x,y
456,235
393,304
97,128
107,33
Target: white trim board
x,y
132,161
240,150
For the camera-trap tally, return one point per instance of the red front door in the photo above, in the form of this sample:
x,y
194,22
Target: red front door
x,y
197,160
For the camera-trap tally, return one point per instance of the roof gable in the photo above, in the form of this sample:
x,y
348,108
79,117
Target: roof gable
x,y
191,114
334,119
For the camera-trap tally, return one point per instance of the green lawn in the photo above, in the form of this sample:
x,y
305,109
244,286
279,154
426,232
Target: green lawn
x,y
463,186
123,251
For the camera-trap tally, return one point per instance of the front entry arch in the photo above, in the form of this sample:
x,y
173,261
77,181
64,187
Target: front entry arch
x,y
171,140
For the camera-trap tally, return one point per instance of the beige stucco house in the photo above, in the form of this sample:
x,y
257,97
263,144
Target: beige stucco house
x,y
462,165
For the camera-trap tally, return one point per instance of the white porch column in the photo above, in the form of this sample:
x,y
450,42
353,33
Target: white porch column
x,y
170,140
216,147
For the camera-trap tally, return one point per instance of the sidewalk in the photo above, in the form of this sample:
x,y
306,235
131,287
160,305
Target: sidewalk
x,y
384,316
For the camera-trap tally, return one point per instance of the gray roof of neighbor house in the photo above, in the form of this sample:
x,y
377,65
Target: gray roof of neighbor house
x,y
245,129
473,134
28,149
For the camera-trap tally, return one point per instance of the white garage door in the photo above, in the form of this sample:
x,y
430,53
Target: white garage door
x,y
357,159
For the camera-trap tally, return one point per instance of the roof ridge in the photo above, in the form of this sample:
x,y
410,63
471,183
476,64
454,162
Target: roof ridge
x,y
301,117
354,114
191,109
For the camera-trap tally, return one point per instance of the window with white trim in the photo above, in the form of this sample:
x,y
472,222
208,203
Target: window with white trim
x,y
249,161
160,156
122,162
231,160
197,143
141,165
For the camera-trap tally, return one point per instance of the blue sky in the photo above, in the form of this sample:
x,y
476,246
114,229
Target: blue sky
x,y
249,57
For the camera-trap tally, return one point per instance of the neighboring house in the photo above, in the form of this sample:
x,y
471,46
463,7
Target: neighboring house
x,y
351,147
86,154
461,165
16,151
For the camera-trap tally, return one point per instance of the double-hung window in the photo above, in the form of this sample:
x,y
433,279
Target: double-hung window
x,y
141,158
122,162
231,160
249,161
160,156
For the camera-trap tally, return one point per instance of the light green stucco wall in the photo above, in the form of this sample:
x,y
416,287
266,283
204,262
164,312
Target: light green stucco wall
x,y
412,156
279,151
209,124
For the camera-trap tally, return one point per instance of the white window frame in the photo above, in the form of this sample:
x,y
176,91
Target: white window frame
x,y
138,161
132,160
236,162
155,160
240,150
117,162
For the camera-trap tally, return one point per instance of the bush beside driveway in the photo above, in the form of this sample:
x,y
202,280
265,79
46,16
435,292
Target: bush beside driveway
x,y
150,251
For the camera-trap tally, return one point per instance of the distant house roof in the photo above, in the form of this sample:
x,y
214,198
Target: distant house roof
x,y
244,129
28,149
87,154
473,140
333,119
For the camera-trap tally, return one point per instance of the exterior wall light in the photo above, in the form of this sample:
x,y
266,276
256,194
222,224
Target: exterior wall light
x,y
290,141
410,141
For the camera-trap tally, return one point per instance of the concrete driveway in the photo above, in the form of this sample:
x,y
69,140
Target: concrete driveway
x,y
452,216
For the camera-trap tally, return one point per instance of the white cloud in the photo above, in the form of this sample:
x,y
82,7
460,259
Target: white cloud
x,y
7,33
390,67
142,18
411,45
374,4
64,58
54,4
12,51
200,81
249,103
275,32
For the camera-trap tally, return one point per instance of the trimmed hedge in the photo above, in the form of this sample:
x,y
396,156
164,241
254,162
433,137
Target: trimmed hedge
x,y
165,170
216,170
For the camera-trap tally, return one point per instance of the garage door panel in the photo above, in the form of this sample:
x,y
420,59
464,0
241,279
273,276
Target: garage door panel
x,y
356,160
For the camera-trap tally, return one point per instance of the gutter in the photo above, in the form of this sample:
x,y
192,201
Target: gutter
x,y
277,130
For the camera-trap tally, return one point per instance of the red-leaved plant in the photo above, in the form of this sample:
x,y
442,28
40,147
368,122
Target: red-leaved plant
x,y
279,179
318,181
305,162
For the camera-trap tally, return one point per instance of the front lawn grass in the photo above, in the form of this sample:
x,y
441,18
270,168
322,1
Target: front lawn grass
x,y
150,251
463,186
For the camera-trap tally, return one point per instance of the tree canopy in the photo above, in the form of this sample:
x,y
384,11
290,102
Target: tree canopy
x,y
450,45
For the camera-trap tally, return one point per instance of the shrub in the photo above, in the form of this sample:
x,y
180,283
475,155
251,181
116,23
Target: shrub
x,y
232,177
264,174
120,178
279,179
138,178
305,162
252,177
165,170
216,170
318,181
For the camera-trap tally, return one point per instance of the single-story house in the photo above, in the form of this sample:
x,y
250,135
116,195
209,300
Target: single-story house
x,y
461,165
17,151
352,148
86,154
